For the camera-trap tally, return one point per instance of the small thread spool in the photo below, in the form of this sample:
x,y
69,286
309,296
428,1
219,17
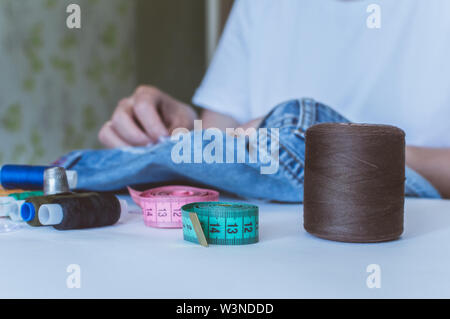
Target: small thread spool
x,y
80,212
25,177
10,207
22,177
354,182
29,210
5,205
55,181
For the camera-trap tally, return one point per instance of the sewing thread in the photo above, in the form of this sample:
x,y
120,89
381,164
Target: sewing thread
x,y
29,210
354,182
28,177
81,212
22,177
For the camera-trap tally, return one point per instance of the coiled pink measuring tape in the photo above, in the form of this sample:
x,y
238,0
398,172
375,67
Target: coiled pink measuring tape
x,y
161,206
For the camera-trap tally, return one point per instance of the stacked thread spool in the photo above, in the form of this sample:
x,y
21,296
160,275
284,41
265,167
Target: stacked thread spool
x,y
54,204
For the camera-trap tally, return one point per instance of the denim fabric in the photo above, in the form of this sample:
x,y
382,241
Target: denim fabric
x,y
110,170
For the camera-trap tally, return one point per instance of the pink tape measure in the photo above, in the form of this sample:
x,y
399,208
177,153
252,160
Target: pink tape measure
x,y
161,207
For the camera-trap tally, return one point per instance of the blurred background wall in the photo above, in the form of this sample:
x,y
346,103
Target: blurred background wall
x,y
59,85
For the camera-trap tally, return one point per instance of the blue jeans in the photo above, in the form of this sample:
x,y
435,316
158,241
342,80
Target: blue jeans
x,y
112,170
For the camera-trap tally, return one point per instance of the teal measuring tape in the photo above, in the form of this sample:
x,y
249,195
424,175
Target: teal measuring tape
x,y
222,223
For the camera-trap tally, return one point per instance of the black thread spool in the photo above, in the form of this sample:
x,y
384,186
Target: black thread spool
x,y
86,211
29,211
354,182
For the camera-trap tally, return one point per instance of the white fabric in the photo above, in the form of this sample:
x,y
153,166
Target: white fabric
x,y
130,260
399,74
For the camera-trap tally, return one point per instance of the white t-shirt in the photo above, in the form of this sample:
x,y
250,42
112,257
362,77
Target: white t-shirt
x,y
399,74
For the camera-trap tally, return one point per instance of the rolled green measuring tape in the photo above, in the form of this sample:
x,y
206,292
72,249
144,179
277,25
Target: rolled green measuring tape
x,y
26,195
222,223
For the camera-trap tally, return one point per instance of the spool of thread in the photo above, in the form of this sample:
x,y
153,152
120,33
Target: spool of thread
x,y
6,206
12,210
29,210
354,182
14,213
29,177
10,206
55,181
80,212
4,203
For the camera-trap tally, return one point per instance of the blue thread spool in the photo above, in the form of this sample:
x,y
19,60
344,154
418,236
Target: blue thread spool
x,y
22,177
29,177
27,212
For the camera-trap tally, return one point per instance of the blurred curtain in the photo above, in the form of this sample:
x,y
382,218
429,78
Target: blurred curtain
x,y
58,85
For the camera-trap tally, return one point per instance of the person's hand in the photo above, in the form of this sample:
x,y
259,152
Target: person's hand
x,y
245,129
144,118
252,124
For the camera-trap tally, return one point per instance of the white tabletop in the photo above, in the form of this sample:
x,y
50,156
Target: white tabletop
x,y
129,260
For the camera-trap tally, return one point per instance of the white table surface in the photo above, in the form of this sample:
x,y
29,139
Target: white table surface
x,y
129,260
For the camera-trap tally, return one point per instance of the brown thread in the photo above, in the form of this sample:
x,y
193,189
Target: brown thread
x,y
354,182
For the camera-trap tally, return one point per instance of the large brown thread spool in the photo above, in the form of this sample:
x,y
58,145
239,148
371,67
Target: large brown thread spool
x,y
354,182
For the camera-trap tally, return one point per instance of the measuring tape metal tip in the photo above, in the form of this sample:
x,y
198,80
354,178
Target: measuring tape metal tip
x,y
198,229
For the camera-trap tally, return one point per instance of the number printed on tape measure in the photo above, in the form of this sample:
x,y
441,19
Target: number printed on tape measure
x,y
176,211
233,231
162,206
236,225
163,212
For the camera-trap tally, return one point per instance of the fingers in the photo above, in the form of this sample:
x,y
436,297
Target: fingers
x,y
182,117
145,108
108,137
145,118
253,124
125,126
